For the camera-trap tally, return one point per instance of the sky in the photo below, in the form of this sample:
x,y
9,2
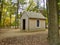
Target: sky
x,y
42,4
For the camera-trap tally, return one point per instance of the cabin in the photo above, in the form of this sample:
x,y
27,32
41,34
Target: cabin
x,y
32,21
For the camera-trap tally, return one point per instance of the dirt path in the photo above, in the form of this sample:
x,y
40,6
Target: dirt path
x,y
13,33
15,37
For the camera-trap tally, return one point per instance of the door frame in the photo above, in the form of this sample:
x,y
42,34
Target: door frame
x,y
24,24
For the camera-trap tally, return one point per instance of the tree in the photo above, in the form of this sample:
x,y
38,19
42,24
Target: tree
x,y
33,6
29,7
59,10
1,7
16,17
19,2
53,32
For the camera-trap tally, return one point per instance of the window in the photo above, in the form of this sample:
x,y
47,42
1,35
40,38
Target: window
x,y
37,23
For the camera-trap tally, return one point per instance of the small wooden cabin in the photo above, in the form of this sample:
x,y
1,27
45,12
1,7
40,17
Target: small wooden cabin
x,y
32,21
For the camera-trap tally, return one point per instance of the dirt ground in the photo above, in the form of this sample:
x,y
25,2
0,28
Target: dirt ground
x,y
15,37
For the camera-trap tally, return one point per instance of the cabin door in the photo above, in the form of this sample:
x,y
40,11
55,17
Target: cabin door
x,y
23,24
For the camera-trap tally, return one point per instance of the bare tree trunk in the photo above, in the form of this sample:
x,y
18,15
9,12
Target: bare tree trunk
x,y
53,31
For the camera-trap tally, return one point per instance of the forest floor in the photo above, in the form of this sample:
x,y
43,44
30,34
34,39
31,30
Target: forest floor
x,y
15,37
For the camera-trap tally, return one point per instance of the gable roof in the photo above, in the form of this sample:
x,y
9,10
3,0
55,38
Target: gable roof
x,y
33,15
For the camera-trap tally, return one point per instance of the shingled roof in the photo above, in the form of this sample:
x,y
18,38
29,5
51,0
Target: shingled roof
x,y
34,15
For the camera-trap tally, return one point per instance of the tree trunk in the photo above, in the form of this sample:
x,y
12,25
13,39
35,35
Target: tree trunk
x,y
0,17
53,31
1,7
16,17
0,11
